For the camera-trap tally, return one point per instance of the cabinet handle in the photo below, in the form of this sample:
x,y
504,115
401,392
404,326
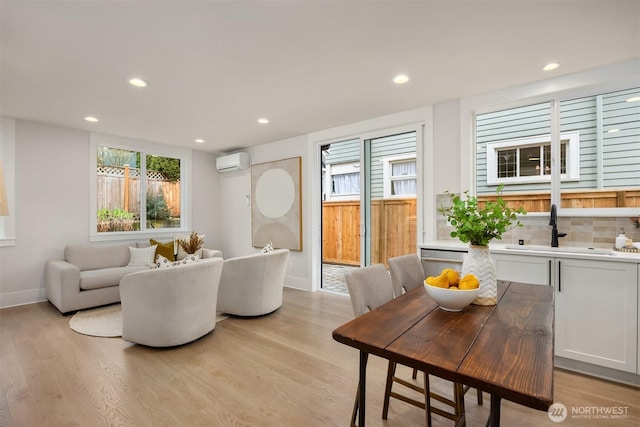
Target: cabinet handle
x,y
559,276
549,272
455,261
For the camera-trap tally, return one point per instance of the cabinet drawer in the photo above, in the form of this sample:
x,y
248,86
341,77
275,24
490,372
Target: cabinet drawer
x,y
434,260
524,269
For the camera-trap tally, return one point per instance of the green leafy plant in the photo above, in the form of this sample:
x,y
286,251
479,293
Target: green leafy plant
x,y
157,206
478,223
116,220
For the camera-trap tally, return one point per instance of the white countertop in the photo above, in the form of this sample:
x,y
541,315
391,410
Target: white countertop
x,y
565,252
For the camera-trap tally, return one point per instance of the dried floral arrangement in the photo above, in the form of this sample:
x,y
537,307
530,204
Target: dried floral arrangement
x,y
194,243
636,221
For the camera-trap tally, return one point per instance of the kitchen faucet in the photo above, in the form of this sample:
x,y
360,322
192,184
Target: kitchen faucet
x,y
553,221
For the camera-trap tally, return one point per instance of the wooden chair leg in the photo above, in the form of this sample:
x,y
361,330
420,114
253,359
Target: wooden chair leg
x,y
479,396
415,374
391,372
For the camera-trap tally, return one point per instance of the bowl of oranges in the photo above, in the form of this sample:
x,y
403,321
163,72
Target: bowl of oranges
x,y
452,292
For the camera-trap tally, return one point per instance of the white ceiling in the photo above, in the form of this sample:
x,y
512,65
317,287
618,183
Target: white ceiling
x,y
215,67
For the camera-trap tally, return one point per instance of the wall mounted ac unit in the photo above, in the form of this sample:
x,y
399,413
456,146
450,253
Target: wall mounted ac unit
x,y
232,162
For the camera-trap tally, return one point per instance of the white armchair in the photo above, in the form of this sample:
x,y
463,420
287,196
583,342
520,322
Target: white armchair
x,y
165,307
252,285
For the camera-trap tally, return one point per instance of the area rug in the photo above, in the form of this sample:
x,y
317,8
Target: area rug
x,y
105,321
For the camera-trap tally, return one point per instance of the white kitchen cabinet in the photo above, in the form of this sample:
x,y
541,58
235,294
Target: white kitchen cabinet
x,y
524,269
596,305
596,312
435,260
597,320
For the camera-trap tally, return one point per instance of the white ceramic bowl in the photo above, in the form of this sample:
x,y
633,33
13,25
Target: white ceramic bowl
x,y
451,299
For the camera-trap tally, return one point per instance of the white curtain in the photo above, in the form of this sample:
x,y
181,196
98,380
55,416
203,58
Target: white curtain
x,y
401,187
346,183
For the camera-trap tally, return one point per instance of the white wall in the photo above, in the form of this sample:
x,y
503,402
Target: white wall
x,y
236,214
205,196
446,147
52,202
52,205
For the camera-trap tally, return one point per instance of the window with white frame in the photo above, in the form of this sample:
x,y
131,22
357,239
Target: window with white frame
x,y
138,187
345,179
528,160
578,153
400,176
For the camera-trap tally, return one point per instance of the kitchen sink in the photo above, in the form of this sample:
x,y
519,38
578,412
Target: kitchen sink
x,y
570,250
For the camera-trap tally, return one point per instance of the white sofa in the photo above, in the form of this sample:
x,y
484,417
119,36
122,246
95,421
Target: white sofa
x,y
89,275
252,285
165,307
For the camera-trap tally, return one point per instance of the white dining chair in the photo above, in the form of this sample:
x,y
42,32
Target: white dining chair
x,y
370,287
407,273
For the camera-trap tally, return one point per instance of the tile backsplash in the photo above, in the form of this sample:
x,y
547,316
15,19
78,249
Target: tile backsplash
x,y
596,232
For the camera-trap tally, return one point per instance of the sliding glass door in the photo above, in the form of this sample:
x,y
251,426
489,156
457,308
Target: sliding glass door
x,y
369,188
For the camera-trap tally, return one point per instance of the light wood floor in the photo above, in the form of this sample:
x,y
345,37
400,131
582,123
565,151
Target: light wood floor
x,y
283,369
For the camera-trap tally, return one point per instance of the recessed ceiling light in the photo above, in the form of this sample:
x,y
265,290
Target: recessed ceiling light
x,y
263,121
138,82
200,141
91,119
613,130
550,66
401,79
634,99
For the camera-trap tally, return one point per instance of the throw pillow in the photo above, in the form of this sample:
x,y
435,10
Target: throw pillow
x,y
141,256
181,252
162,262
268,248
164,249
190,259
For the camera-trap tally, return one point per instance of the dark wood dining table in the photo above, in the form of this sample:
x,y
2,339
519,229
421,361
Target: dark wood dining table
x,y
505,350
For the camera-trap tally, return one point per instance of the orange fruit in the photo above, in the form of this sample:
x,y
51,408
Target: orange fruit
x,y
452,275
440,281
469,281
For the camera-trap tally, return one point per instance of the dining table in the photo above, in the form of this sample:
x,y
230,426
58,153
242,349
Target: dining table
x,y
505,350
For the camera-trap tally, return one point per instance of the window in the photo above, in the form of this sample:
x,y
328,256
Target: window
x,y
163,192
138,187
345,179
399,176
591,161
609,125
528,160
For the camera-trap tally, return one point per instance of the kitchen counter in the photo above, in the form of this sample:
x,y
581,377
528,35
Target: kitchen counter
x,y
596,326
540,251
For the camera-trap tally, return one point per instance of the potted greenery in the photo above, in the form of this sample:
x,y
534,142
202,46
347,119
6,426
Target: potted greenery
x,y
478,223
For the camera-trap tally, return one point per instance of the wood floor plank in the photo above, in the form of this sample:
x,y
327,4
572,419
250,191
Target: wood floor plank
x,y
283,369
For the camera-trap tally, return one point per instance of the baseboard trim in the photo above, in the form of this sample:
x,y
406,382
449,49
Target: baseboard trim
x,y
614,375
297,283
13,299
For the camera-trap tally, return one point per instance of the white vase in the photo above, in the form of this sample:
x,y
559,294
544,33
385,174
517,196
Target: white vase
x,y
479,262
